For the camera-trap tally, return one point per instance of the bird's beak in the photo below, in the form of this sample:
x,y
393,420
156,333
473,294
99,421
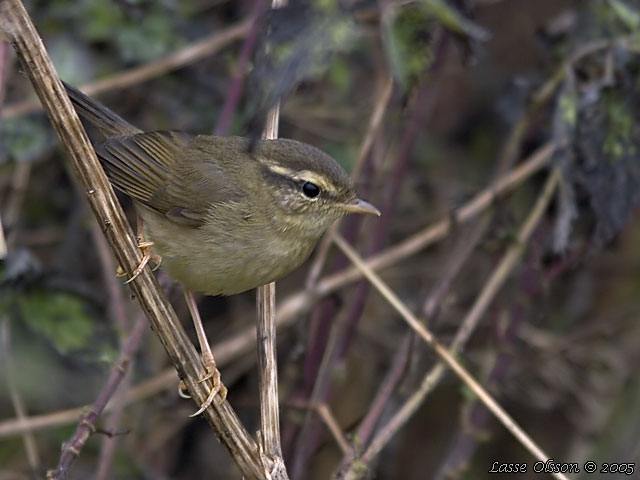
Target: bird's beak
x,y
360,206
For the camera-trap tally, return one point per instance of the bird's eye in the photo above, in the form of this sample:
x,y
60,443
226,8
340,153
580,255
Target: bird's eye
x,y
311,190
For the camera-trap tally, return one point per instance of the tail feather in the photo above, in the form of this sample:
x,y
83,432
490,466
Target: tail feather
x,y
104,120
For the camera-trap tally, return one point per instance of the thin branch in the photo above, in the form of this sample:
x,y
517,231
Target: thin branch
x,y
3,63
329,419
116,306
18,189
375,123
388,386
459,257
476,417
28,438
401,356
343,331
118,315
3,241
323,317
446,356
21,34
16,400
432,378
190,54
462,253
270,447
72,447
237,78
112,424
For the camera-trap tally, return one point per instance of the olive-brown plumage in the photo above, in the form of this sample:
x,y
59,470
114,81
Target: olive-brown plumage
x,y
223,218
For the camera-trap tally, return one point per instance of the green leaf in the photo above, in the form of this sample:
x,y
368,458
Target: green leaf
x,y
626,14
58,316
454,20
407,40
26,138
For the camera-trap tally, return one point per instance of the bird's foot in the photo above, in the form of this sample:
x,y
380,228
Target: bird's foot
x,y
217,390
212,373
147,256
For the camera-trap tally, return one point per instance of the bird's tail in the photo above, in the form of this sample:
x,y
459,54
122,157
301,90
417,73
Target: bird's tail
x,y
104,120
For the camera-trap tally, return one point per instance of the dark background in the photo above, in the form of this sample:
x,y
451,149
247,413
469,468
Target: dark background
x,y
557,347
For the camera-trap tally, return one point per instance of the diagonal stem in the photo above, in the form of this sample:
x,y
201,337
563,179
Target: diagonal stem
x,y
446,355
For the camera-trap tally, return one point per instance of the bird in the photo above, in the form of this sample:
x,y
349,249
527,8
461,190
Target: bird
x,y
223,214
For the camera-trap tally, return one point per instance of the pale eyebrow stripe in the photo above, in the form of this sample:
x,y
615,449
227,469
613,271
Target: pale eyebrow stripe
x,y
307,175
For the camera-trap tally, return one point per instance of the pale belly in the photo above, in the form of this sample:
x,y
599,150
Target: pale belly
x,y
222,262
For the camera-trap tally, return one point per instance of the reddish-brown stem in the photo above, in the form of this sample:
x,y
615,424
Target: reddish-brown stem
x,y
72,447
237,79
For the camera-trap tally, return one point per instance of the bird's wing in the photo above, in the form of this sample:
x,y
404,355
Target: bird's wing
x,y
159,170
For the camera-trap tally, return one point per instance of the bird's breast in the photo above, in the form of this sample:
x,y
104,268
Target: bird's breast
x,y
220,259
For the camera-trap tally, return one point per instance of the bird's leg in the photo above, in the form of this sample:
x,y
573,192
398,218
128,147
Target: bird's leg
x,y
207,356
147,254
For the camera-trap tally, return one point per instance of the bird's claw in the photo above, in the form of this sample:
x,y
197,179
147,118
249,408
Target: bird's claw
x,y
218,389
147,255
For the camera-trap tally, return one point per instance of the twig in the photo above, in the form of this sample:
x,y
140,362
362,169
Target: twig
x,y
3,62
18,406
270,447
21,34
401,356
476,417
225,354
454,266
3,241
435,374
118,315
190,54
268,374
322,319
433,301
324,412
5,336
18,189
237,78
447,357
4,48
375,122
344,331
506,265
112,423
116,306
387,388
72,447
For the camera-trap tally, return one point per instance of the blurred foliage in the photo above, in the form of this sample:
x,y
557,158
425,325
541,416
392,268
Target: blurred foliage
x,y
408,38
58,317
25,138
63,319
452,19
558,346
626,13
598,122
140,31
297,41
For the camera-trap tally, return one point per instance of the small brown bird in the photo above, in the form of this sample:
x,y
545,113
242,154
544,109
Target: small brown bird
x,y
223,218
